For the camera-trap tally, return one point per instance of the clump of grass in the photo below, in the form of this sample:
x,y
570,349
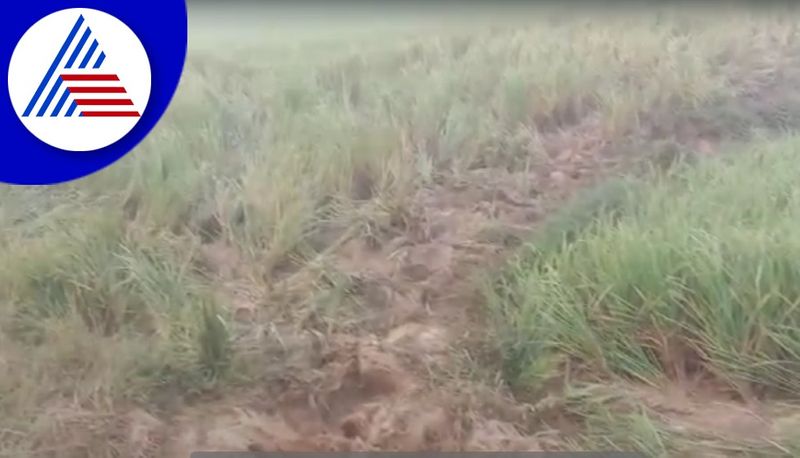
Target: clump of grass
x,y
612,420
214,342
698,274
609,199
611,417
95,312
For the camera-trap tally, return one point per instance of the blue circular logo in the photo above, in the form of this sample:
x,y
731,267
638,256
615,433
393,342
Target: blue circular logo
x,y
87,81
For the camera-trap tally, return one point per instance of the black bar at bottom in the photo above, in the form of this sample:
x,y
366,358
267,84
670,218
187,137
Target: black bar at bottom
x,y
418,455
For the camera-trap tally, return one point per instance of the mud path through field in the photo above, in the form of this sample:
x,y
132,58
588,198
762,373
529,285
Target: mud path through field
x,y
396,382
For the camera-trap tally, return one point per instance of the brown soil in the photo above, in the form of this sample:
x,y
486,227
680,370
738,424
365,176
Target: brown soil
x,y
386,387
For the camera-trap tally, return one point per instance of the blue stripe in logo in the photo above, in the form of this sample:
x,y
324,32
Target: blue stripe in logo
x,y
89,54
53,66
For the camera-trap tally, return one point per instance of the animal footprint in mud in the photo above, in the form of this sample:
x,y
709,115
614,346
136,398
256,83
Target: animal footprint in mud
x,y
415,272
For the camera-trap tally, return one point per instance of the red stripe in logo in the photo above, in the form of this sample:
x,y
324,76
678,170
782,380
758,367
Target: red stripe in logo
x,y
104,102
90,77
111,114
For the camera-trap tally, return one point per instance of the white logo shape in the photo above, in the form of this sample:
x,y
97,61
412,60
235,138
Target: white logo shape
x,y
79,79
